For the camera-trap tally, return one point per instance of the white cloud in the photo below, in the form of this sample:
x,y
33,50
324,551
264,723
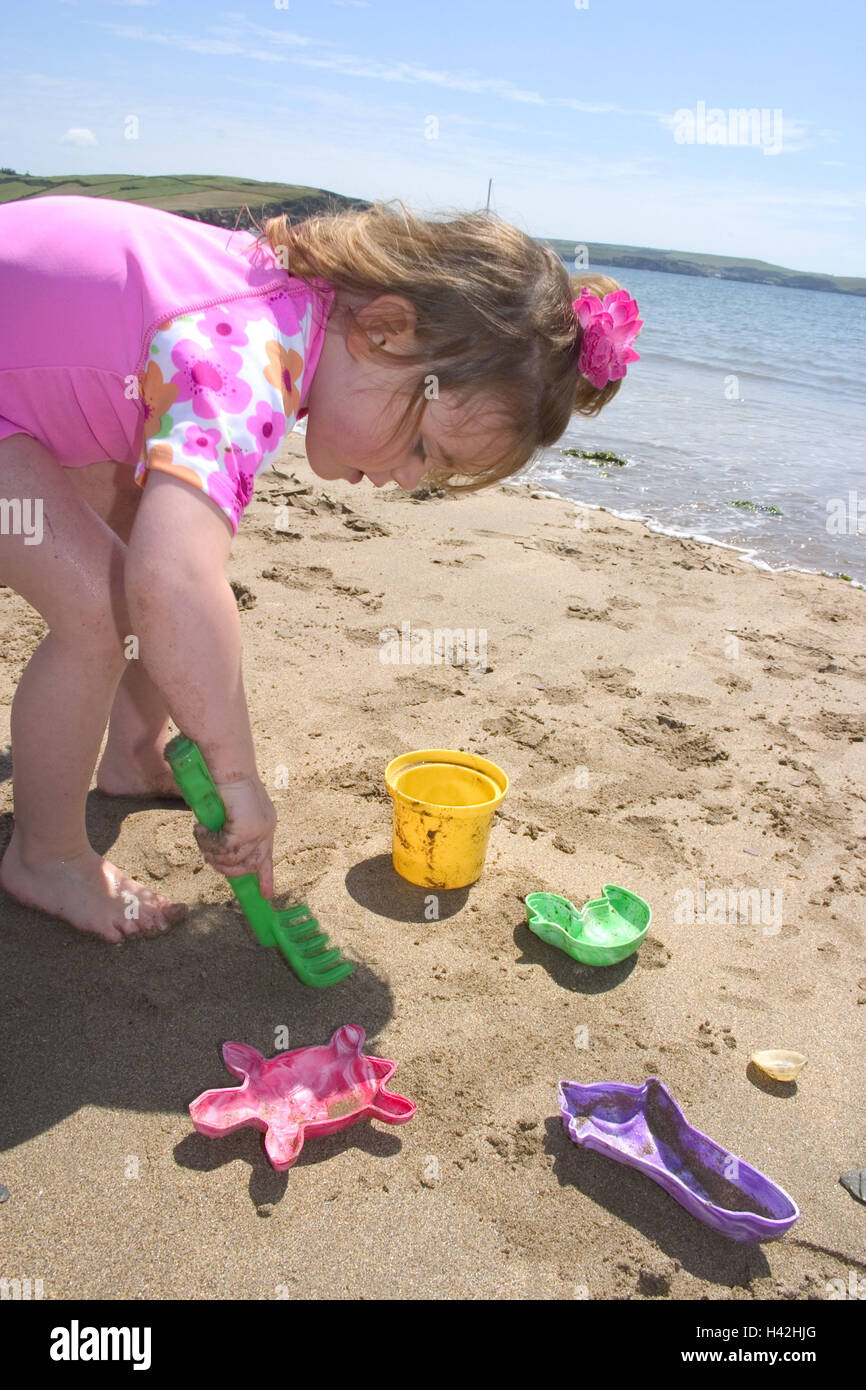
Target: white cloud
x,y
607,108
232,45
78,135
233,41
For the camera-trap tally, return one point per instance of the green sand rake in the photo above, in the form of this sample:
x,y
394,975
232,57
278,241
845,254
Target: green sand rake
x,y
293,930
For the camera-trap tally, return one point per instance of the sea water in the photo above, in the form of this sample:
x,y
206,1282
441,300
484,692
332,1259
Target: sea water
x,y
744,393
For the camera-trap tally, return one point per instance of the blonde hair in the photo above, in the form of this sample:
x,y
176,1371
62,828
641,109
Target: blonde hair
x,y
493,314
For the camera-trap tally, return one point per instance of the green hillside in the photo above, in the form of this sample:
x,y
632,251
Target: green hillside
x,y
713,267
202,197
219,200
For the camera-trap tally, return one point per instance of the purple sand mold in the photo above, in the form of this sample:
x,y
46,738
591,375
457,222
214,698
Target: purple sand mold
x,y
643,1127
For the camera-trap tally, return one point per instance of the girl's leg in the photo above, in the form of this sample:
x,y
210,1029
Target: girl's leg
x,y
132,763
74,578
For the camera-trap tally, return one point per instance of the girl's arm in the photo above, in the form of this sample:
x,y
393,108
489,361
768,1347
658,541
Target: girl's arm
x,y
185,617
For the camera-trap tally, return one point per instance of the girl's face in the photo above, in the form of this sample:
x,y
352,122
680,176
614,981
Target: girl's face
x,y
352,409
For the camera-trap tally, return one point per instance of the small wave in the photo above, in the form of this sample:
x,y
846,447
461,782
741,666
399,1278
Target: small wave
x,y
831,381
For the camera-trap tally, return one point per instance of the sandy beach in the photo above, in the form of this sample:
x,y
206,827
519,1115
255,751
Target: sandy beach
x,y
671,720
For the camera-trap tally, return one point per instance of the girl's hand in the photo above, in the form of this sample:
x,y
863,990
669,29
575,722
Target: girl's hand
x,y
245,845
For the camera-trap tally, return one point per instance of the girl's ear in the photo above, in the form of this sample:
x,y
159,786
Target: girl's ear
x,y
387,321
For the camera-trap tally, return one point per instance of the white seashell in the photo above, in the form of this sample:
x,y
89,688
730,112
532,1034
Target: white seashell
x,y
780,1064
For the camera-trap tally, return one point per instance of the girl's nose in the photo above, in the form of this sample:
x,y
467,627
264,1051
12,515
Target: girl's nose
x,y
409,475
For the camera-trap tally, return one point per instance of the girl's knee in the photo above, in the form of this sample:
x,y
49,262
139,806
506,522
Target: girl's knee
x,y
93,613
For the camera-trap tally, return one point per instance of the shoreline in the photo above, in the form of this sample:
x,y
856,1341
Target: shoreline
x,y
749,557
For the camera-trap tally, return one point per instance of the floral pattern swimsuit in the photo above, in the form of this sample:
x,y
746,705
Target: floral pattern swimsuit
x,y
220,393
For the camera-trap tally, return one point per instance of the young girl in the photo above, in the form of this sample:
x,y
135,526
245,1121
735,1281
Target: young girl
x,y
137,347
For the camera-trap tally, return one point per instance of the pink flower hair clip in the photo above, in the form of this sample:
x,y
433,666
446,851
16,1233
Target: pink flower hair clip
x,y
610,326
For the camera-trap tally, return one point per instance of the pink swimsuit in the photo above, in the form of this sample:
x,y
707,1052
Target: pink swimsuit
x,y
132,334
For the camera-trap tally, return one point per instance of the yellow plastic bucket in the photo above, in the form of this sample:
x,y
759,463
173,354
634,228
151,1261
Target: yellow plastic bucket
x,y
443,810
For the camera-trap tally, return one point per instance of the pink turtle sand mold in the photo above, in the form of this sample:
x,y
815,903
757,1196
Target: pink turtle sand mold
x,y
310,1091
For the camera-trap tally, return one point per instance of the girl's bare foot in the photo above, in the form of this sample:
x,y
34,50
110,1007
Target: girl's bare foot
x,y
137,779
89,893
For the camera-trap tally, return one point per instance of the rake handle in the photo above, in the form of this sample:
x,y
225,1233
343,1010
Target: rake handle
x,y
201,796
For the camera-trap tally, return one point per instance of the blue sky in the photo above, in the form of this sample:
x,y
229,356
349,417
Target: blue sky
x,y
570,108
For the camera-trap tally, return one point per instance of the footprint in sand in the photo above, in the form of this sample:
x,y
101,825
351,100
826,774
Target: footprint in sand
x,y
567,550
732,683
746,971
676,741
419,689
615,680
364,636
586,614
364,528
743,1002
833,724
305,577
457,561
561,694
524,729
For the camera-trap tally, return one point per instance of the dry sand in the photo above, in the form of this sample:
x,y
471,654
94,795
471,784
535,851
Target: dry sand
x,y
736,764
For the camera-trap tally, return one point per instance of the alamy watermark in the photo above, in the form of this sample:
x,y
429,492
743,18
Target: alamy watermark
x,y
846,516
22,516
837,1289
739,125
443,646
721,907
18,1289
77,1343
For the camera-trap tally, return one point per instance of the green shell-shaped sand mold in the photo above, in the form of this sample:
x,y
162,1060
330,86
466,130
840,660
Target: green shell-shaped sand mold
x,y
603,932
